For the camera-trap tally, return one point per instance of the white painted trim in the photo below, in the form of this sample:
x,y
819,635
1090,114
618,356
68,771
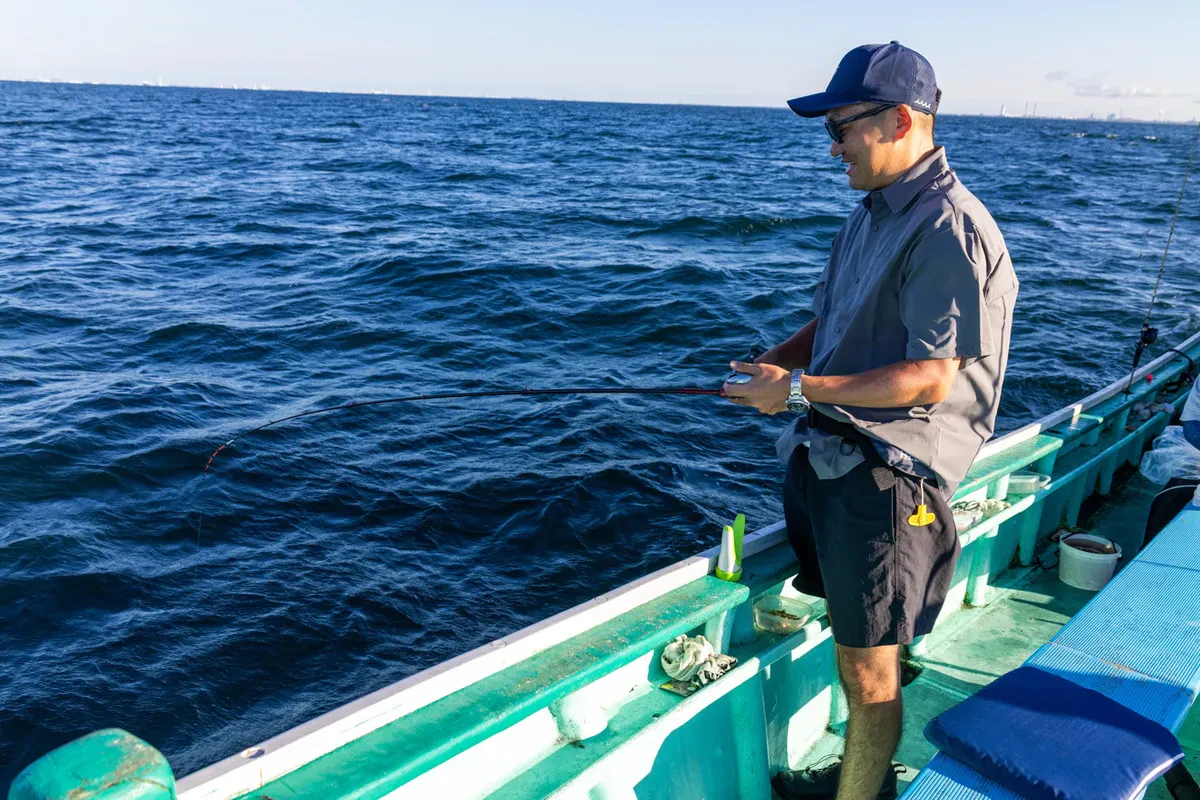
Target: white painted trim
x,y
301,744
298,746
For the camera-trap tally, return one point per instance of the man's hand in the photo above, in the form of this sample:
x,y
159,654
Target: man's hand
x,y
767,391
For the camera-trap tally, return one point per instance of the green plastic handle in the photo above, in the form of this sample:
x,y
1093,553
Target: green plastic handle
x,y
739,532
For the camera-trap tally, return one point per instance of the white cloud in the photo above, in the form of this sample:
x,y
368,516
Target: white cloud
x,y
1097,87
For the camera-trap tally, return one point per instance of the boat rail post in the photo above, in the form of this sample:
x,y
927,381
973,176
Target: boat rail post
x,y
579,715
1120,420
1045,464
999,489
1031,522
981,565
719,630
1075,495
1108,468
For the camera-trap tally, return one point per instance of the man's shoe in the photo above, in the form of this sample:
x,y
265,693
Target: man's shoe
x,y
816,782
820,782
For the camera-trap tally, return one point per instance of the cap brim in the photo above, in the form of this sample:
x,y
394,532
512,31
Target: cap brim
x,y
815,105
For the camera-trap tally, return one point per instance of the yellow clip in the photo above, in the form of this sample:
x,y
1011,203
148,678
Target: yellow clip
x,y
922,517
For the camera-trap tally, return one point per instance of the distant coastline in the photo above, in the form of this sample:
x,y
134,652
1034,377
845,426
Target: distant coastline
x,y
387,93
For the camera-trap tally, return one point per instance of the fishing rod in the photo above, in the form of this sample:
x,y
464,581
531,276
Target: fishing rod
x,y
526,392
1149,335
731,378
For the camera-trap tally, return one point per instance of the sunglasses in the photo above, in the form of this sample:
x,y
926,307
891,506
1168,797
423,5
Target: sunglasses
x,y
834,126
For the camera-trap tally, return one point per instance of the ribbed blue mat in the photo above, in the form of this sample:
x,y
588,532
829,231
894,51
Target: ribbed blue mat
x,y
1137,641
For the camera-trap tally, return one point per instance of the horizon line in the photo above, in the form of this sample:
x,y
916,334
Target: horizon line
x,y
383,93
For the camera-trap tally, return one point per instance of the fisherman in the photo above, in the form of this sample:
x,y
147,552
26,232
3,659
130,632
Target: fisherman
x,y
898,377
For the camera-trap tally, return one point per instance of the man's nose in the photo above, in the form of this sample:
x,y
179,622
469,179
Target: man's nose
x,y
835,149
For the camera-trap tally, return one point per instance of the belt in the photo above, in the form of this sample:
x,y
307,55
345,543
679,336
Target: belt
x,y
827,424
880,471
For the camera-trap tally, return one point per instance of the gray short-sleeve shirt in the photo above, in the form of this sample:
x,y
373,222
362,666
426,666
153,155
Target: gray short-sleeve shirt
x,y
919,271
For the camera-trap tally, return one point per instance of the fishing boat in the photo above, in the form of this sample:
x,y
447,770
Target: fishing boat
x,y
574,707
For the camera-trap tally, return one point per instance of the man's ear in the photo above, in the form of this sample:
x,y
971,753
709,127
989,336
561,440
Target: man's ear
x,y
904,122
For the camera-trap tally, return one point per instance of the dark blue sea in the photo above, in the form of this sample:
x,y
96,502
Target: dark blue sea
x,y
178,265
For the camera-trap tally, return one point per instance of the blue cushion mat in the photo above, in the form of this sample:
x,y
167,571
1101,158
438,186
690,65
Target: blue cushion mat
x,y
1043,736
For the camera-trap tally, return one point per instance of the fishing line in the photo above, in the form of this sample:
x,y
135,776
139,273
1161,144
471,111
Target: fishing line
x,y
1149,335
526,392
685,390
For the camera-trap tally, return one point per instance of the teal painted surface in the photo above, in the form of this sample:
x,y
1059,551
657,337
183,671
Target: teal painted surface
x,y
1149,662
797,697
1017,457
697,759
111,764
650,746
390,756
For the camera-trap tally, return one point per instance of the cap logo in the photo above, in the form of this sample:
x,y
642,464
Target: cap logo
x,y
922,103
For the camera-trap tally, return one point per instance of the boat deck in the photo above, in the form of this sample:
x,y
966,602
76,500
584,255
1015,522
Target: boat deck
x,y
977,645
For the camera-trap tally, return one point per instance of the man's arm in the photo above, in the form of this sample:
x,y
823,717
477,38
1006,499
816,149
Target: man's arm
x,y
796,352
907,383
903,384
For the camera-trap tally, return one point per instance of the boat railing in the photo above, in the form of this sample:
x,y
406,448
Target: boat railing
x,y
1078,448
989,546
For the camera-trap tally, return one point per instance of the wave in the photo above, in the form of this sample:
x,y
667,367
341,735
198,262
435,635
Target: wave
x,y
394,167
279,257
476,177
737,226
264,227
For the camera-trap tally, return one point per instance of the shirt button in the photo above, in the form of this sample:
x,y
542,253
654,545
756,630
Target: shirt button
x,y
874,229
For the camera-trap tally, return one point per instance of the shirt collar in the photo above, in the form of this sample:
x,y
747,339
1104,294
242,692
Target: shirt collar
x,y
904,189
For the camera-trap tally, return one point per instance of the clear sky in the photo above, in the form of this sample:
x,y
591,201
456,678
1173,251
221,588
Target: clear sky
x,y
1069,57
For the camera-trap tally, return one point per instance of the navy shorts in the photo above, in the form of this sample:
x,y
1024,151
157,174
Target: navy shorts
x,y
883,579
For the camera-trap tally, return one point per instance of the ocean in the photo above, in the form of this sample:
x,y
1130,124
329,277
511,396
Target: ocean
x,y
179,265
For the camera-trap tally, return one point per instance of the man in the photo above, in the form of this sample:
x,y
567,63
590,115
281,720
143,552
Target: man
x,y
902,367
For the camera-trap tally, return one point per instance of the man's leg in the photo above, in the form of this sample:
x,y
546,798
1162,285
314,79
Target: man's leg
x,y
871,676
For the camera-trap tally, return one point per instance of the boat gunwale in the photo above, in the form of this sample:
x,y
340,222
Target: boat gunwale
x,y
297,746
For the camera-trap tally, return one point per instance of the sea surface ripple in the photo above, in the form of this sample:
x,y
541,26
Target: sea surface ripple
x,y
178,265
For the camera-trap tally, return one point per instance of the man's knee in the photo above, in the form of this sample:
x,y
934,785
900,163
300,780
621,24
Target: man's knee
x,y
870,674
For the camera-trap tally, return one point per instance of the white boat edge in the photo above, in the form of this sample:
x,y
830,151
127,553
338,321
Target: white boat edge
x,y
282,754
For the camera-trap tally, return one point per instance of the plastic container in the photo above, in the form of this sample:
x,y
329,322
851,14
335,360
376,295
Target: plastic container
x,y
1027,482
1082,569
775,613
965,519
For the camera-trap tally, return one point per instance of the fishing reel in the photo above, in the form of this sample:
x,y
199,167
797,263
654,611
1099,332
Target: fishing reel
x,y
1148,337
736,377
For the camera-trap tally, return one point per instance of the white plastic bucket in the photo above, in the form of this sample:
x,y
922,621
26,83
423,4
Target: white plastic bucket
x,y
1085,570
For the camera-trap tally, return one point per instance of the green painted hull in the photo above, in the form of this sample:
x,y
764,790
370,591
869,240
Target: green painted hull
x,y
571,707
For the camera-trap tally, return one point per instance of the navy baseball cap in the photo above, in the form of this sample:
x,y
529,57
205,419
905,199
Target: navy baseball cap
x,y
875,73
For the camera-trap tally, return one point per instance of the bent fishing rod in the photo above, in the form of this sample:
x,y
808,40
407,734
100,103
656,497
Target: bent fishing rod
x,y
526,392
735,377
1149,335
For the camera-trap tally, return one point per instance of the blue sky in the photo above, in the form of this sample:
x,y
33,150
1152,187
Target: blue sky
x,y
1071,58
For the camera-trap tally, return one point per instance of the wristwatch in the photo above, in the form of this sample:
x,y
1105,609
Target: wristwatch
x,y
796,400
